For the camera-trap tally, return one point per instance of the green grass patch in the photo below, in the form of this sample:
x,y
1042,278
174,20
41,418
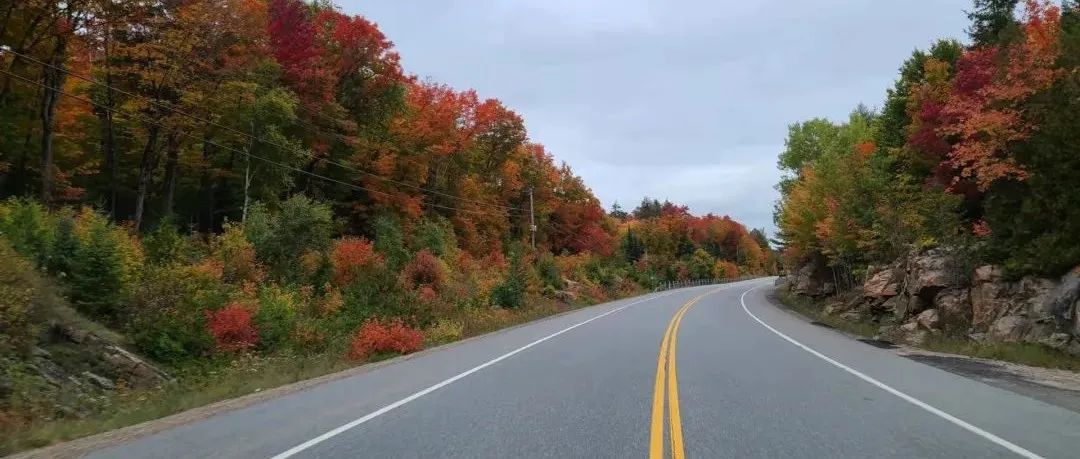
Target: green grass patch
x,y
814,310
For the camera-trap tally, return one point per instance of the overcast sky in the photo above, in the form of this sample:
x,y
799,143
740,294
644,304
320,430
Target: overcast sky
x,y
685,100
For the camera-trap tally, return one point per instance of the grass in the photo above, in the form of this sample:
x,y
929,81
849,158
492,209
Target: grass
x,y
1032,354
196,387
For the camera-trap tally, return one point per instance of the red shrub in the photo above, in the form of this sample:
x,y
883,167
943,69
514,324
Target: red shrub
x,y
231,328
351,256
376,336
424,269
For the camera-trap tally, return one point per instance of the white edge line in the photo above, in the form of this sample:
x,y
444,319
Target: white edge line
x,y
914,401
374,414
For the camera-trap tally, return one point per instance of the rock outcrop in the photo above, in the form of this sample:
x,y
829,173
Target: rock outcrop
x,y
922,294
813,279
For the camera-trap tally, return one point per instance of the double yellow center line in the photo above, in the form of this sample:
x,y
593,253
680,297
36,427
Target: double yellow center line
x,y
665,369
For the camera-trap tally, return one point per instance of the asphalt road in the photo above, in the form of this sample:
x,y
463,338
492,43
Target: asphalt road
x,y
752,380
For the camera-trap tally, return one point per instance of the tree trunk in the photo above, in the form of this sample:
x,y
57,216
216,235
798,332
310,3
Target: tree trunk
x,y
172,145
206,189
54,82
146,172
108,137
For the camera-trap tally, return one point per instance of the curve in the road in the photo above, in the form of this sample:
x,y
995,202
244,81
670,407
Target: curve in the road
x,y
887,388
340,429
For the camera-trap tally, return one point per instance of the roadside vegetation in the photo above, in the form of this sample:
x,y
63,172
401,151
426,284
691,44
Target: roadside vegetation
x,y
975,148
247,193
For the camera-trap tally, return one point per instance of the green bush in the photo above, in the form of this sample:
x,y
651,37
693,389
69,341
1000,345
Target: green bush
x,y
549,271
17,292
276,317
97,285
375,295
65,246
390,242
168,310
435,234
280,238
510,293
27,227
164,244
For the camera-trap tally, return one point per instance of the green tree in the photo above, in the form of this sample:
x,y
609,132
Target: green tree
x,y
992,21
96,274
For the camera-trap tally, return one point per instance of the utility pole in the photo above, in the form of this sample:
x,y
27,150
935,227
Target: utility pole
x,y
532,219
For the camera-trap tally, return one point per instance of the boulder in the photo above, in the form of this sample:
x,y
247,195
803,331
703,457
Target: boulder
x,y
812,279
929,319
928,273
1061,301
895,306
954,305
885,282
992,298
1010,328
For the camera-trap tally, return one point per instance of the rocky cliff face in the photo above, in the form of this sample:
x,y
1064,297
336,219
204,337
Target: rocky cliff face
x,y
923,294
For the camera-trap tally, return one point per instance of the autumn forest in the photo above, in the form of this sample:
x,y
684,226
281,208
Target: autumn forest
x,y
974,151
225,181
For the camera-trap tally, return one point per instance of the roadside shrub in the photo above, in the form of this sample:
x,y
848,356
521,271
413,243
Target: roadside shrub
x,y
64,246
17,292
390,241
700,265
435,234
97,284
276,316
351,257
376,337
164,244
236,256
299,226
444,331
510,293
424,269
232,329
724,269
26,225
549,271
167,315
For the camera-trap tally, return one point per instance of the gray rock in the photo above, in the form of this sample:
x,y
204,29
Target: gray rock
x,y
812,279
988,273
917,337
99,380
1057,340
1010,328
909,327
928,274
885,282
1061,302
929,319
955,307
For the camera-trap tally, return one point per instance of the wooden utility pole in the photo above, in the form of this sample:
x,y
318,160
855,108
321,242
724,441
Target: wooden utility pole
x,y
532,219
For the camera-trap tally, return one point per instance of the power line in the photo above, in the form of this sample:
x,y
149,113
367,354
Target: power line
x,y
236,150
172,109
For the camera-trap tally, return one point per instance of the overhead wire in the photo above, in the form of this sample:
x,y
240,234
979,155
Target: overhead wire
x,y
173,109
236,150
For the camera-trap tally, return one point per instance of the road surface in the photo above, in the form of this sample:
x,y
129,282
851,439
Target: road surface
x,y
711,371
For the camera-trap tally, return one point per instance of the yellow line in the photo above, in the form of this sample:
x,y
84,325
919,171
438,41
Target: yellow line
x,y
656,431
666,361
674,419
